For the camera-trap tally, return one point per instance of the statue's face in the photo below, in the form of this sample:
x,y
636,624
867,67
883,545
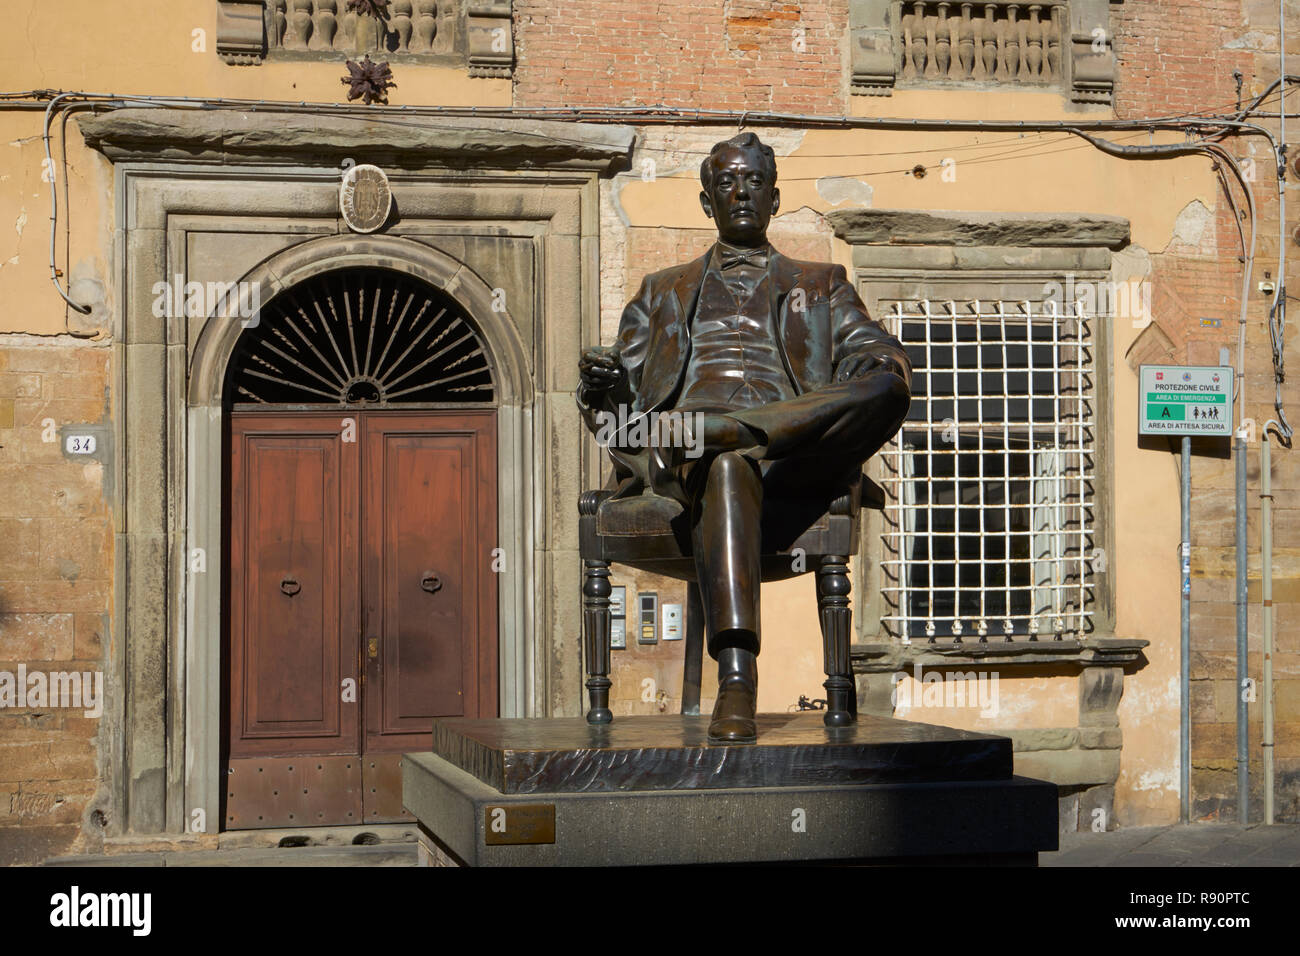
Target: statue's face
x,y
743,197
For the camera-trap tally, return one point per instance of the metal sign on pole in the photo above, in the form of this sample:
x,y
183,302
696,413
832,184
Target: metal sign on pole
x,y
1185,400
1182,401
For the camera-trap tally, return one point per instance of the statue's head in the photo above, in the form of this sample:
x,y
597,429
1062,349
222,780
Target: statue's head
x,y
740,194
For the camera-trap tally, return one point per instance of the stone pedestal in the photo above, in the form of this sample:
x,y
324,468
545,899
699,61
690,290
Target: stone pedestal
x,y
653,791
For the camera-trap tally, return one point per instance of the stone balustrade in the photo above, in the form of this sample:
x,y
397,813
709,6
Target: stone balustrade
x,y
1016,43
477,35
1053,44
412,26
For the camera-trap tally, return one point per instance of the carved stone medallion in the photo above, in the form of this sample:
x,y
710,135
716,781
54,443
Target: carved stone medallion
x,y
365,198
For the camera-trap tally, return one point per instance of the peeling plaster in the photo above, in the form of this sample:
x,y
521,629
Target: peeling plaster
x,y
1254,40
1190,226
1131,262
841,189
1168,696
1157,780
21,222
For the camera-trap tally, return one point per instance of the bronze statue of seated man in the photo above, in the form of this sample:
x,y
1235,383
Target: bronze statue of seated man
x,y
785,386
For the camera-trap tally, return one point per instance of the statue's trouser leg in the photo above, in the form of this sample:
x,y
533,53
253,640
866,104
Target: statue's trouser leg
x,y
726,549
822,437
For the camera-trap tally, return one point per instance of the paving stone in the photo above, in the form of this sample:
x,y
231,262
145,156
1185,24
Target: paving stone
x,y
1098,849
122,859
1283,849
1188,845
383,854
1177,846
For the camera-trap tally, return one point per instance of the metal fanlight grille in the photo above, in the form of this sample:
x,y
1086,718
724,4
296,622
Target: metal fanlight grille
x,y
361,337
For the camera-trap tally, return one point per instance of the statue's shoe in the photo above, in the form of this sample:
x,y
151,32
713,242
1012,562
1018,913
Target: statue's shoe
x,y
733,714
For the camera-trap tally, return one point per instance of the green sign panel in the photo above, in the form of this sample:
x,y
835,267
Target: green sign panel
x,y
1185,400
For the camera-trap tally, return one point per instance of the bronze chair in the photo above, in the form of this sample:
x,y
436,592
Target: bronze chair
x,y
652,533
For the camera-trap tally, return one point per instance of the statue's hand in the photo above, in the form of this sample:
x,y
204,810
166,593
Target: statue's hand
x,y
601,368
865,363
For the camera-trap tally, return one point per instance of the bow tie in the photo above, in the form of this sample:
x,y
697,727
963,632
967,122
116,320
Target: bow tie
x,y
757,259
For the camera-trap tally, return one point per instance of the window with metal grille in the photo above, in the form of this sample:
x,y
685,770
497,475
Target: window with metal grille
x,y
989,527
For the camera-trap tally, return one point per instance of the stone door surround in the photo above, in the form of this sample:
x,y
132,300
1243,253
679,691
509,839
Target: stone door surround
x,y
501,215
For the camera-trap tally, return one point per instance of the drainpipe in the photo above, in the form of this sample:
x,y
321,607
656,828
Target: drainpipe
x,y
1185,654
1266,478
1266,555
1243,752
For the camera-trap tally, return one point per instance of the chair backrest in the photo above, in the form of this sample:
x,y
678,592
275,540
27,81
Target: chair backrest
x,y
872,495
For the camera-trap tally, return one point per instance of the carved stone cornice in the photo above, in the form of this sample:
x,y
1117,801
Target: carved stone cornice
x,y
1091,652
491,44
317,139
871,47
923,227
241,33
1092,56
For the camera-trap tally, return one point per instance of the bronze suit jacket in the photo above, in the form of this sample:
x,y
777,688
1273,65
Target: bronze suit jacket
x,y
654,340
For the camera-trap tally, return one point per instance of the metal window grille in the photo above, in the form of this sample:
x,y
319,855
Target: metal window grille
x,y
989,527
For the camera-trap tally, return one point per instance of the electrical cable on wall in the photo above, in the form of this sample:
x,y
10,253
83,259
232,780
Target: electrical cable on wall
x,y
1212,127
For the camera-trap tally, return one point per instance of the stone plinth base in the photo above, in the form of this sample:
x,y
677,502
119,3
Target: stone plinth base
x,y
651,792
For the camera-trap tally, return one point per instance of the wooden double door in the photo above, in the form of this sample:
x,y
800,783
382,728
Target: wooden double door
x,y
362,604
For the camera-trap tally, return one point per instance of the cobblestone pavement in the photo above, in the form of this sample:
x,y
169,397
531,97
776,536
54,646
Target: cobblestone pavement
x,y
1197,844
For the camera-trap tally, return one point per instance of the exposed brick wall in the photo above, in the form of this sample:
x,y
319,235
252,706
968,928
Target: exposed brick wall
x,y
56,559
1173,55
734,55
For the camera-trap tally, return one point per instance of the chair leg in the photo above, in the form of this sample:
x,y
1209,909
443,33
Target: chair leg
x,y
694,664
596,636
836,620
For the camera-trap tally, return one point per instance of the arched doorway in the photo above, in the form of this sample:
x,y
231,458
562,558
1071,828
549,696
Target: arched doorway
x,y
361,484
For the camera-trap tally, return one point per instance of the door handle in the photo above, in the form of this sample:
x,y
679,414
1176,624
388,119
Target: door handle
x,y
290,587
372,648
431,582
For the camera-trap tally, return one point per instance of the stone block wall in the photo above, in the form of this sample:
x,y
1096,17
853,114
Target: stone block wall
x,y
56,562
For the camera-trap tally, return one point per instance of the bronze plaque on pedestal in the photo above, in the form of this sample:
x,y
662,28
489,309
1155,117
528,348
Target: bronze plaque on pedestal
x,y
517,824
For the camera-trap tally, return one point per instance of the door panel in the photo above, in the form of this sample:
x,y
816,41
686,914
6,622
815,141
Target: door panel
x,y
293,586
429,594
382,780
299,791
416,484
338,547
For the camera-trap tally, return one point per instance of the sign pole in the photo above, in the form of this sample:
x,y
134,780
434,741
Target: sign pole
x,y
1179,401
